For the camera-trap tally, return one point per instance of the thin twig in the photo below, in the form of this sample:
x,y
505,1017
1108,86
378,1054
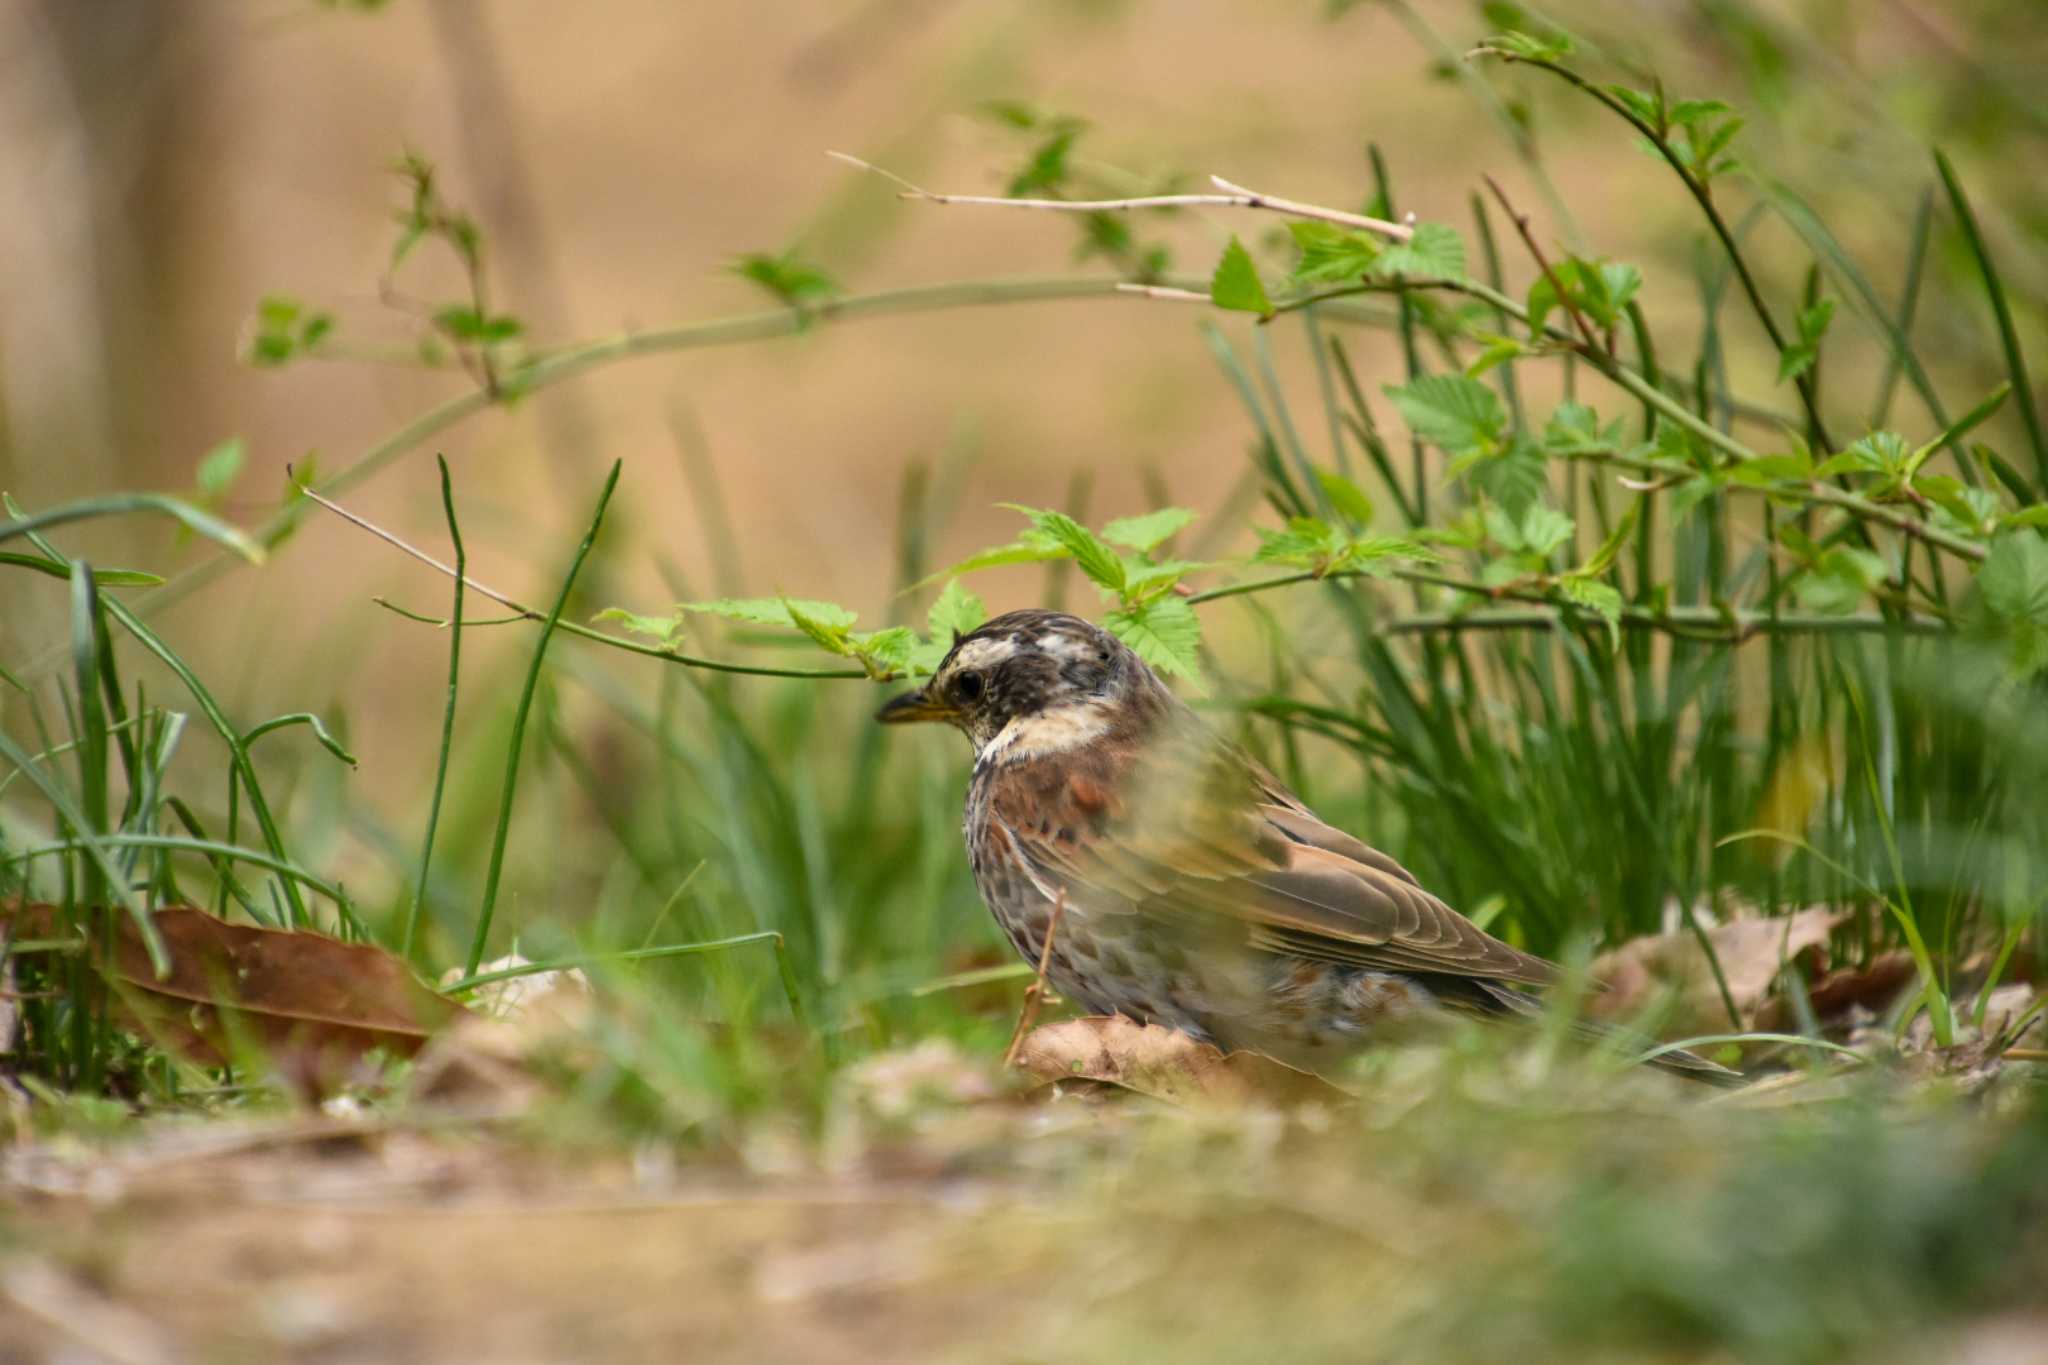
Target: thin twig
x,y
1233,196
1164,291
1521,222
1034,993
528,613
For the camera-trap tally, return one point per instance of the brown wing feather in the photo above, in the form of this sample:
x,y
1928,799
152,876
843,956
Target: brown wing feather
x,y
1190,826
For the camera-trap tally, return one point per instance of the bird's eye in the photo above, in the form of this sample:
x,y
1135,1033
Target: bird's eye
x,y
968,686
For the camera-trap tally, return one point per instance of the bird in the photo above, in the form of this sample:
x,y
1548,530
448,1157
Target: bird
x,y
1180,882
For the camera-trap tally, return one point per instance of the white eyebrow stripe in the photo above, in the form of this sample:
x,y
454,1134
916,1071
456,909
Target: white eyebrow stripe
x,y
982,652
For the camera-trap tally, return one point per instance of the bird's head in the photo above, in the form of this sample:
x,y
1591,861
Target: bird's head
x,y
1031,681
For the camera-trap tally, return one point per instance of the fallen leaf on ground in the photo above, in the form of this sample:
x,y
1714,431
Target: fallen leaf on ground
x,y
1644,971
1871,987
1165,1064
311,1006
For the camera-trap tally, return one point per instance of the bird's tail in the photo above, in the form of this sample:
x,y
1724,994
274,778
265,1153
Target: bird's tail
x,y
1497,998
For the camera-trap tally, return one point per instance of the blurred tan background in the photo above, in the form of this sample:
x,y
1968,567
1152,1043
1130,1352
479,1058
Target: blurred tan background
x,y
168,164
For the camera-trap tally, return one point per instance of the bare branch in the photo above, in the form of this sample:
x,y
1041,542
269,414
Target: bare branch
x,y
1233,196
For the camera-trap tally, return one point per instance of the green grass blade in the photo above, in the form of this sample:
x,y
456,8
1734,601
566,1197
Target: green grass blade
x,y
419,895
119,504
2008,336
518,739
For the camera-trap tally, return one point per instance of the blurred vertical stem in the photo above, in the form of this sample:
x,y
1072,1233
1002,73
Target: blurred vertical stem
x,y
540,650
419,897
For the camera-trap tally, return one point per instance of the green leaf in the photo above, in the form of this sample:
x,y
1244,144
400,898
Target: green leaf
x,y
887,651
1144,578
1033,547
1518,44
1331,254
1685,113
1968,511
825,631
60,568
1574,429
1375,556
667,629
1101,564
1594,595
774,611
2036,515
1963,425
1145,533
2012,588
1165,633
1645,106
1435,251
1459,414
219,467
1236,284
1544,528
1501,528
955,612
1306,541
791,279
1346,496
1880,452
1603,558
1765,470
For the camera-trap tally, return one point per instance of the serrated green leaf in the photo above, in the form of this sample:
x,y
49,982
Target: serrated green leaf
x,y
1331,254
830,637
1145,533
1032,547
667,629
1880,452
1544,528
887,650
1346,496
1165,633
774,611
1236,284
955,612
1435,251
1573,429
1501,528
1594,595
1515,478
1306,541
1102,565
1376,556
1143,578
1459,414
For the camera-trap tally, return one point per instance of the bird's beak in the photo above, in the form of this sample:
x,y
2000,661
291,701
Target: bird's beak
x,y
914,706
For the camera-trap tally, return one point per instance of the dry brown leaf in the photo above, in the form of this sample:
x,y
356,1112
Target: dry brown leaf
x,y
1165,1064
312,1005
1644,971
1872,987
